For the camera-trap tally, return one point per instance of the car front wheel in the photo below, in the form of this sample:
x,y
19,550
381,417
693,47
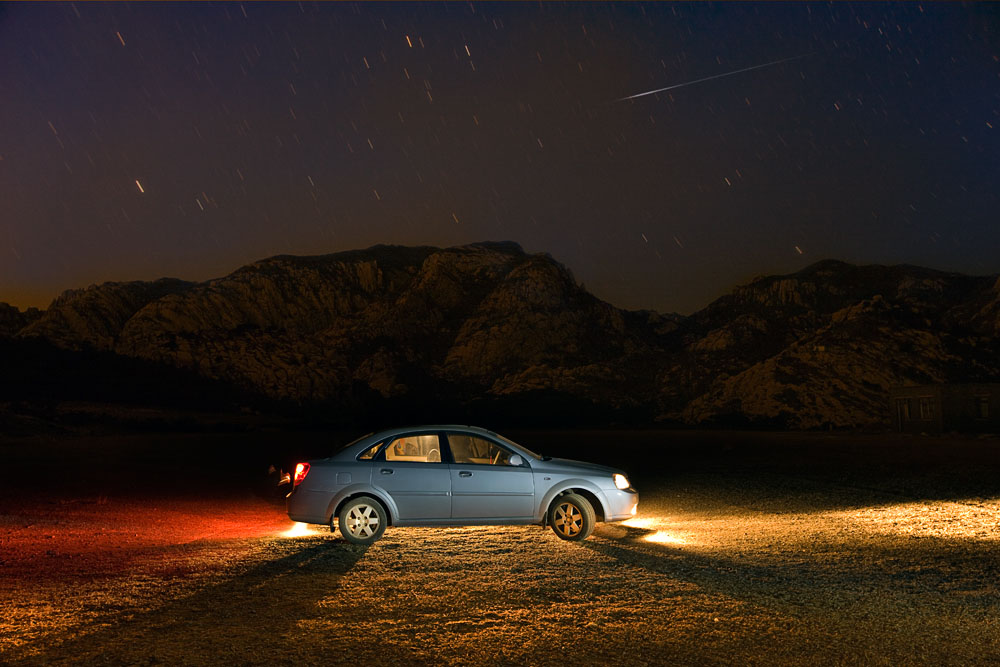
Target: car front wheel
x,y
571,517
362,520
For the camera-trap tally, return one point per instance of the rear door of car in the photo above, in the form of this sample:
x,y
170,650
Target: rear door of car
x,y
410,469
484,485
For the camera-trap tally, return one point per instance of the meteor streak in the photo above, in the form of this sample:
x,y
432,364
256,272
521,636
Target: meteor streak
x,y
717,76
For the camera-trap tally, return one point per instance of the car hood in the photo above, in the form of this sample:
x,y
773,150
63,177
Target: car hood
x,y
571,466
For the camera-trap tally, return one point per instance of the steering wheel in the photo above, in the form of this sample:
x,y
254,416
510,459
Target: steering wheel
x,y
433,456
496,458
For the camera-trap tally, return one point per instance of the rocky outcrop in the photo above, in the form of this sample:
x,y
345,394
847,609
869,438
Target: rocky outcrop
x,y
536,316
479,320
489,322
13,319
839,376
980,313
822,347
94,317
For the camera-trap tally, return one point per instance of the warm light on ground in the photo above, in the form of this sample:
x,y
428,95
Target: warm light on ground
x,y
654,526
965,519
969,519
298,530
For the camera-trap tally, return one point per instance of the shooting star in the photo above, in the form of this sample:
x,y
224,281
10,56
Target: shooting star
x,y
717,76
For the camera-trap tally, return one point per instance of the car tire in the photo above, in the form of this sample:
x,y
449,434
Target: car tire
x,y
572,517
362,520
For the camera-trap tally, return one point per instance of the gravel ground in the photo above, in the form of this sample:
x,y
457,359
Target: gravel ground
x,y
749,549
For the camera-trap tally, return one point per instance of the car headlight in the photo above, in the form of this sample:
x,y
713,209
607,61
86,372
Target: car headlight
x,y
621,481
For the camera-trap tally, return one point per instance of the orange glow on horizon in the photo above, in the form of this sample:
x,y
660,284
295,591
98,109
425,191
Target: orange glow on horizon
x,y
22,299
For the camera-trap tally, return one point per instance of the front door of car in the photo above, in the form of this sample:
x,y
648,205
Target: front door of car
x,y
484,484
411,471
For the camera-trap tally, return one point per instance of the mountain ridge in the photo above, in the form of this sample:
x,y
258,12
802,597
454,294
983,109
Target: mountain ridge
x,y
488,322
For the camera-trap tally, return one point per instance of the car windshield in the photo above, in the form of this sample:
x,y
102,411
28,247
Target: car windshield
x,y
521,447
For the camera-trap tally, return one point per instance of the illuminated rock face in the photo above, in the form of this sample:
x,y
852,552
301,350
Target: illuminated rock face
x,y
813,349
480,320
94,316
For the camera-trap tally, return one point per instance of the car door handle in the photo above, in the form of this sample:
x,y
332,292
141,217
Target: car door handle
x,y
386,471
464,473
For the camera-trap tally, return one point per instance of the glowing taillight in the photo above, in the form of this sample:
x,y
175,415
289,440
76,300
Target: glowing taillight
x,y
301,470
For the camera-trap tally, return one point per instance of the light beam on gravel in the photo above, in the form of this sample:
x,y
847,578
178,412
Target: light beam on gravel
x,y
298,530
653,525
973,518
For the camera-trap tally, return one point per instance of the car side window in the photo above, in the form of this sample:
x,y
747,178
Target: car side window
x,y
417,448
473,449
369,453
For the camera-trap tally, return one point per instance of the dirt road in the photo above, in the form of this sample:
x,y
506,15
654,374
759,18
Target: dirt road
x,y
756,549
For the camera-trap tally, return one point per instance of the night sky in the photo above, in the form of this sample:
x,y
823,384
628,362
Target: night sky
x,y
147,140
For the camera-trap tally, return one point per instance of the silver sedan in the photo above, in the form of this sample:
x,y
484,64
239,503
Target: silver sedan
x,y
454,476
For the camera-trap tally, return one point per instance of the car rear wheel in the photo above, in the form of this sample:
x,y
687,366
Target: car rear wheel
x,y
571,517
362,520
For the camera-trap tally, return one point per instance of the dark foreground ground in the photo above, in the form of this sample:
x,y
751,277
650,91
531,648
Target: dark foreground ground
x,y
748,549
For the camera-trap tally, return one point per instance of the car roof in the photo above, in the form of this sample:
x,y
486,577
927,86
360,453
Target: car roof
x,y
432,427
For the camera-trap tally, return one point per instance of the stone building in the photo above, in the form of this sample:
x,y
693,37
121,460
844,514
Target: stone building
x,y
938,408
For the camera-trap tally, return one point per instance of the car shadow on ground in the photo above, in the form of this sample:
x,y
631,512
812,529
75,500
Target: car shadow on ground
x,y
251,612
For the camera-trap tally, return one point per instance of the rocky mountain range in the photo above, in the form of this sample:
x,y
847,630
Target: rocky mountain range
x,y
489,325
13,319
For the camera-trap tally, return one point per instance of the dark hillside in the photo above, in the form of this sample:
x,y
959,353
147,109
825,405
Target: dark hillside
x,y
487,330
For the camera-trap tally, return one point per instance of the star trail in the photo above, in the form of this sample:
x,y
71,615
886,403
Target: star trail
x,y
147,140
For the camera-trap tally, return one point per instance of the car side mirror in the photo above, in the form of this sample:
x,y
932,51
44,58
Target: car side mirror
x,y
515,460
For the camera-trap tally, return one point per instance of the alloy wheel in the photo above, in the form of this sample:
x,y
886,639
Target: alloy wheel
x,y
362,521
568,519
